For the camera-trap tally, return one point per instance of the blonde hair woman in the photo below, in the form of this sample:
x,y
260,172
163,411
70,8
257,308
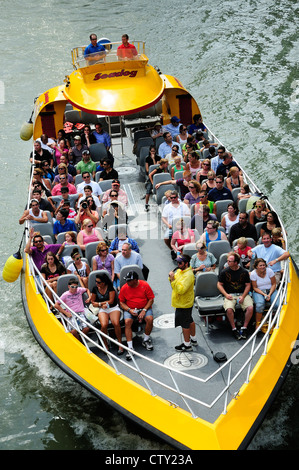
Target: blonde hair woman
x,y
88,234
234,179
103,259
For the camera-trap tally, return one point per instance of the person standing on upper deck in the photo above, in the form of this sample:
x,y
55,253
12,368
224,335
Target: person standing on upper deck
x,y
94,51
126,50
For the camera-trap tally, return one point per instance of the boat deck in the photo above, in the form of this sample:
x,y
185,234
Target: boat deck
x,y
145,228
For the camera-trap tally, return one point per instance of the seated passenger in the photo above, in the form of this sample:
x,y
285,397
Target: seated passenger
x,y
88,234
277,238
244,192
79,268
273,255
272,222
173,127
36,248
87,210
234,178
45,193
109,173
259,212
205,171
62,170
210,183
264,288
41,154
243,250
220,192
105,306
156,131
171,211
242,229
190,146
115,186
46,143
201,217
125,258
226,164
34,214
62,223
39,177
70,239
162,168
197,124
177,167
136,299
101,136
182,135
87,190
87,137
73,298
48,173
94,51
113,198
126,51
193,196
231,218
86,164
64,160
193,164
115,215
60,149
204,201
207,145
166,146
75,153
63,183
234,284
67,205
116,244
182,183
173,154
51,270
96,190
181,237
152,159
103,260
212,233
44,204
202,260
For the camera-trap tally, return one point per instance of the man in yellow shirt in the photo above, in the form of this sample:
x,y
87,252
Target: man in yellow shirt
x,y
182,299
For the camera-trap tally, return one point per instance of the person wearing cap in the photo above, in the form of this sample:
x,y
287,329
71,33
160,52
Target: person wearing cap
x,y
157,130
136,299
115,186
75,154
86,164
182,299
73,298
173,126
34,214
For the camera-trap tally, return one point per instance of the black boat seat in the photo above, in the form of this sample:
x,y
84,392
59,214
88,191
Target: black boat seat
x,y
125,269
208,299
218,248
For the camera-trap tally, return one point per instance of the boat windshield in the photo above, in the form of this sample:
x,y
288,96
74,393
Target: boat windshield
x,y
113,52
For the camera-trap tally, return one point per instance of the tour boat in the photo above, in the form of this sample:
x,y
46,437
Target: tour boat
x,y
216,396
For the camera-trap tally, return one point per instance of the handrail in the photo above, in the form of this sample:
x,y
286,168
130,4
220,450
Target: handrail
x,y
176,389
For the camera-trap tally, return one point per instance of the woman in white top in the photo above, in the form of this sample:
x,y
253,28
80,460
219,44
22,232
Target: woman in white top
x,y
231,218
181,138
79,268
264,288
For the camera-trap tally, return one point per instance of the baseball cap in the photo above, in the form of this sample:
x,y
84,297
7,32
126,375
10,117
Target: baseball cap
x,y
130,276
175,119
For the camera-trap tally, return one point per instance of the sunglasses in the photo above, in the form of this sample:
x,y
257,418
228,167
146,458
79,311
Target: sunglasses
x,y
73,287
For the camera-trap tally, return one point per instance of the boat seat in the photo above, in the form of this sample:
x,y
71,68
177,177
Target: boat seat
x,y
60,237
160,192
218,248
250,242
208,299
98,152
45,229
90,251
72,115
67,250
258,226
141,133
50,218
159,141
221,206
242,205
144,151
105,185
113,230
179,174
235,193
142,142
125,269
159,178
190,249
62,283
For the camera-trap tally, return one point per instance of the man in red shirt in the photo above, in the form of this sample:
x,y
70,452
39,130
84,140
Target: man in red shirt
x,y
126,50
136,299
63,183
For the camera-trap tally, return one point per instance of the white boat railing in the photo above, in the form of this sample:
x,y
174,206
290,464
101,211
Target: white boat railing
x,y
253,348
140,361
109,56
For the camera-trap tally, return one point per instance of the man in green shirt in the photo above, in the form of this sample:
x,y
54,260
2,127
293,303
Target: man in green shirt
x,y
86,164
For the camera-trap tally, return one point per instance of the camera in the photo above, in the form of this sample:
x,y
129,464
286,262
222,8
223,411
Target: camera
x,y
84,205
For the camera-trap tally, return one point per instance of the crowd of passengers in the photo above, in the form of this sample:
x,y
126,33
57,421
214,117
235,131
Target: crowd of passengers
x,y
208,174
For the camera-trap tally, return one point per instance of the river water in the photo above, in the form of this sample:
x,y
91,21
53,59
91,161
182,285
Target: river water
x,y
239,59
